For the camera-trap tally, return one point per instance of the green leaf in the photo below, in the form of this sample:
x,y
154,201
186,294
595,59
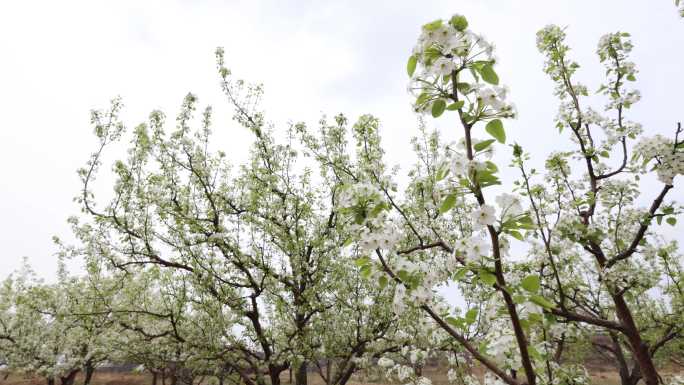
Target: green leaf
x,y
491,166
531,283
496,130
382,281
471,316
516,235
486,178
433,25
448,203
487,277
463,87
455,322
460,274
671,221
534,353
541,301
525,222
518,299
438,107
411,65
459,22
483,144
488,74
376,210
455,106
517,150
363,261
422,98
366,271
534,317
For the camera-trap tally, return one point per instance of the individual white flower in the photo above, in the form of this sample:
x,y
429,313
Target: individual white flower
x,y
484,215
459,164
458,43
476,248
490,97
442,66
509,204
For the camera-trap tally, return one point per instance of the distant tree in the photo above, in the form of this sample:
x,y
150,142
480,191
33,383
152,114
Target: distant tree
x,y
54,330
258,249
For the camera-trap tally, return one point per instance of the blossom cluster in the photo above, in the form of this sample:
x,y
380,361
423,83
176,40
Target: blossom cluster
x,y
406,373
613,50
442,51
669,160
442,46
503,348
613,130
371,223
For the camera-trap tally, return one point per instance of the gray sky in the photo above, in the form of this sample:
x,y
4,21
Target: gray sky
x,y
59,59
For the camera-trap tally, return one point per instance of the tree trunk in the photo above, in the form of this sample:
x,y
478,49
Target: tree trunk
x,y
328,372
301,375
89,371
154,377
173,373
50,381
274,375
186,376
346,375
639,348
620,360
70,378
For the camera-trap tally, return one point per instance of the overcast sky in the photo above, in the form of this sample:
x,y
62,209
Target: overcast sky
x,y
59,59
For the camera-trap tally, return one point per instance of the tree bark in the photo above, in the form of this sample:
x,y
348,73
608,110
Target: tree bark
x,y
301,375
346,375
328,372
274,375
639,347
70,378
89,371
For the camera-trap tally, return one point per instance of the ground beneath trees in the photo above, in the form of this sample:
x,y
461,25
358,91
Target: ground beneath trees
x,y
437,375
